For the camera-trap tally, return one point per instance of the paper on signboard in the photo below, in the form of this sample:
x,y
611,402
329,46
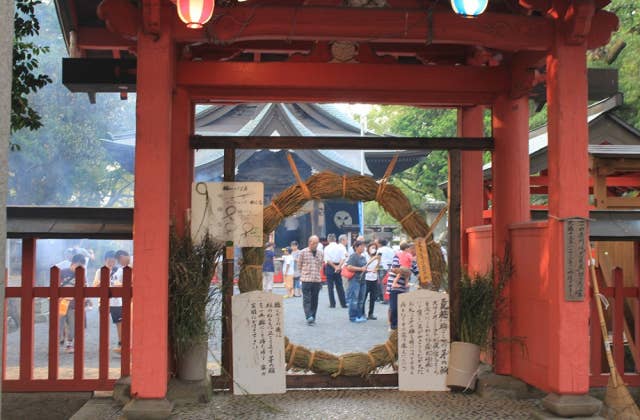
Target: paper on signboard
x,y
229,211
258,344
423,341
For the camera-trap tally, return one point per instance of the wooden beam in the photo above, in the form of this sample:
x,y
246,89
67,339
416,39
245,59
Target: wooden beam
x,y
331,82
342,143
454,259
229,175
509,32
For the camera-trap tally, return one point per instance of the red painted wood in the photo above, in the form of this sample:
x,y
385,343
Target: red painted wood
x,y
79,293
61,385
596,342
4,331
182,156
26,308
54,328
103,352
529,305
618,319
330,82
568,197
470,124
510,198
244,23
78,355
125,367
151,215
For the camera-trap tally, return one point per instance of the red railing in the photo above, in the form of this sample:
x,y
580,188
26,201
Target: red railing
x,y
624,335
27,292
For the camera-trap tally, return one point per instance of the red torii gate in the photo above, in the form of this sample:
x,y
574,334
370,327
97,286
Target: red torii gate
x,y
169,82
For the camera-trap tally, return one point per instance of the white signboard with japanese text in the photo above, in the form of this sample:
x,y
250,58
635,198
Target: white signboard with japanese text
x,y
229,211
258,344
423,341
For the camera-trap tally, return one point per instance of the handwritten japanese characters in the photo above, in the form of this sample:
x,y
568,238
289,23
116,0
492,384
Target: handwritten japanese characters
x,y
423,341
258,344
230,211
575,231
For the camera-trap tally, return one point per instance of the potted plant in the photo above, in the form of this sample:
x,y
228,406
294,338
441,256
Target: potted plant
x,y
191,268
480,305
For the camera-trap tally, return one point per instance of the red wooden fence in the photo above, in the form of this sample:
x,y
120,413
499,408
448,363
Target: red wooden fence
x,y
27,292
616,296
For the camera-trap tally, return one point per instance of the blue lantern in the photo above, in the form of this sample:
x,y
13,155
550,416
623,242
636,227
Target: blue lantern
x,y
470,8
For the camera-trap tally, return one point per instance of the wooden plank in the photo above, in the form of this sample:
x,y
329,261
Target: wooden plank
x,y
327,381
618,320
54,333
229,174
62,385
127,300
330,82
454,259
409,26
78,355
26,308
103,349
342,143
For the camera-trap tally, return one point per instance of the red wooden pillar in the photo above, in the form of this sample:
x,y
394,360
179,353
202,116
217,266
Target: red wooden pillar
x,y
470,124
151,215
510,200
568,197
181,158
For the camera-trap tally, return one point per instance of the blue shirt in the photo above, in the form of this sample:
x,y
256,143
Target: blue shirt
x,y
267,266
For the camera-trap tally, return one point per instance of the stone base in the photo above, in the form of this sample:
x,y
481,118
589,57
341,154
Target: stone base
x,y
147,409
188,392
491,385
122,390
571,405
545,415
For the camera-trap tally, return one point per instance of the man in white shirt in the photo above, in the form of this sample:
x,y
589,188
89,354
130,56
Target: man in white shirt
x,y
334,256
386,259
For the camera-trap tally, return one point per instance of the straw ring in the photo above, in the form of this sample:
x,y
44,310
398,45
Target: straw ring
x,y
407,217
277,209
311,359
292,356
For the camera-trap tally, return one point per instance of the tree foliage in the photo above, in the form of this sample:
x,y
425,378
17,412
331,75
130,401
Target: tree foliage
x,y
64,163
26,80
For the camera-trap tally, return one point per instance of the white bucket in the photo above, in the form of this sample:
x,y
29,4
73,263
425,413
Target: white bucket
x,y
464,360
192,365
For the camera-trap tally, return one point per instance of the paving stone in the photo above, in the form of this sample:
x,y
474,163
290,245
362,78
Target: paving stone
x,y
156,409
571,405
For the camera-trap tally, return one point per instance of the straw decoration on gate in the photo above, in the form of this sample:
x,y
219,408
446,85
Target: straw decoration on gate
x,y
326,185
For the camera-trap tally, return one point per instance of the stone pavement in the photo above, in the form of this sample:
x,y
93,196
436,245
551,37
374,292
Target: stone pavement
x,y
338,404
333,332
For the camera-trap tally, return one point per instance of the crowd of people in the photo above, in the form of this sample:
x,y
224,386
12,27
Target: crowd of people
x,y
354,273
115,261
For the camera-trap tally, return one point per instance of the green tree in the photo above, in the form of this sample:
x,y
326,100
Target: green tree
x,y
25,66
64,163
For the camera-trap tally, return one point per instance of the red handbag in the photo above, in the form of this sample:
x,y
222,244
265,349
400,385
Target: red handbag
x,y
346,273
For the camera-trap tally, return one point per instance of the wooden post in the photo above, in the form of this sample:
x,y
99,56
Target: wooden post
x,y
453,259
151,215
470,124
181,159
568,326
26,308
510,202
227,278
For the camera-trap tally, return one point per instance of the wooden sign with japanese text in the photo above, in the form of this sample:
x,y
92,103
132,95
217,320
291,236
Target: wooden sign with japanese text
x,y
575,235
230,211
258,344
423,341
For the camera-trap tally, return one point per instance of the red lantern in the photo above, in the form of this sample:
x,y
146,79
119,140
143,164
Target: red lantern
x,y
195,13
